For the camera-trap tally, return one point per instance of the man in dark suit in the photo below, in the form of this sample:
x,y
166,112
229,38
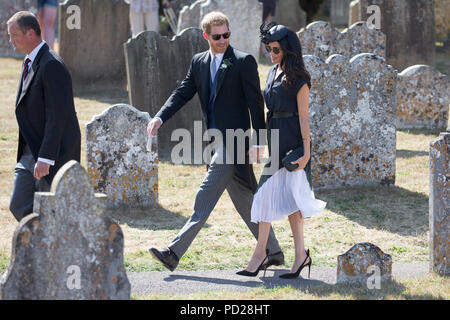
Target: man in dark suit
x,y
228,85
49,133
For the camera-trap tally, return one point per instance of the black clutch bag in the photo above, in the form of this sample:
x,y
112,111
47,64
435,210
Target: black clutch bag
x,y
292,155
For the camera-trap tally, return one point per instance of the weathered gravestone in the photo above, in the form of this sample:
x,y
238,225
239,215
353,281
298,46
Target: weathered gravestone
x,y
245,18
156,66
7,9
339,12
290,14
352,114
409,29
439,211
91,38
322,40
423,98
178,5
118,162
68,249
364,263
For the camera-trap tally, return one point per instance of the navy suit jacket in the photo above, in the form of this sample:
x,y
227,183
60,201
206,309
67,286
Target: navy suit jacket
x,y
237,98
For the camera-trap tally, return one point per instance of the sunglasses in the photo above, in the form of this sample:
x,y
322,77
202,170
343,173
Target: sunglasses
x,y
216,37
276,50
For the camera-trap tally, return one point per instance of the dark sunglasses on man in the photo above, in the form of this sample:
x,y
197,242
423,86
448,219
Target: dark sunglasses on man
x,y
276,50
216,37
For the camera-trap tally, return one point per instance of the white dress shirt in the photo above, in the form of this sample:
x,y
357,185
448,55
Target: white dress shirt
x,y
32,57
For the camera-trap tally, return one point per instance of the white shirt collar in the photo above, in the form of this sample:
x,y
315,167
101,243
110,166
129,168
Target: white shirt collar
x,y
219,56
34,53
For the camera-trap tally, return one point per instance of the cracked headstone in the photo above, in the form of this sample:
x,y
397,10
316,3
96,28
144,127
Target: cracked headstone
x,y
352,108
423,98
118,161
364,263
439,203
69,249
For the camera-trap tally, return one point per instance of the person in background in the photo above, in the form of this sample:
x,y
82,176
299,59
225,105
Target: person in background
x,y
49,133
46,15
144,15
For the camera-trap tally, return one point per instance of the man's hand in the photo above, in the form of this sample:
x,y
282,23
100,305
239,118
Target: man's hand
x,y
166,3
41,169
255,153
153,126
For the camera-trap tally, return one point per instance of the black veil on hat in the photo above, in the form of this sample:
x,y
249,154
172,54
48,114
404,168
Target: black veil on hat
x,y
277,32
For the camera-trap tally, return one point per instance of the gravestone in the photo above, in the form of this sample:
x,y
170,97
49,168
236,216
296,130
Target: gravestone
x,y
189,16
359,38
352,109
409,29
118,163
439,203
92,48
339,12
322,40
290,14
68,249
7,10
245,18
423,98
318,39
363,262
178,5
354,12
156,66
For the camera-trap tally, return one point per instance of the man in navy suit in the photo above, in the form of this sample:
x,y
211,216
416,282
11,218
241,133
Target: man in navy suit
x,y
49,133
228,86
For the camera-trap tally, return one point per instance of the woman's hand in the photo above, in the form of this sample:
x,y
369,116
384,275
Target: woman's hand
x,y
302,162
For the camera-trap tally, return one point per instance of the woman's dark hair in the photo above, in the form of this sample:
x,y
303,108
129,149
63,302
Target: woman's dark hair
x,y
26,21
292,62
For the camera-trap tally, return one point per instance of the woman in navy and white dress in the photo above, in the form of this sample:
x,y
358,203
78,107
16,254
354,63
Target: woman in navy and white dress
x,y
284,193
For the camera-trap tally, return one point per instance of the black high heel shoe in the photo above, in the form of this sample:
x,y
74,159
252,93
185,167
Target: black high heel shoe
x,y
254,274
297,273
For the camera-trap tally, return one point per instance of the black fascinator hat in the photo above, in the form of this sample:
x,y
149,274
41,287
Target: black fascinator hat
x,y
287,38
272,32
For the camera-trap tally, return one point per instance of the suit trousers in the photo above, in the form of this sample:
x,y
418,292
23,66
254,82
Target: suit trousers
x,y
25,185
220,176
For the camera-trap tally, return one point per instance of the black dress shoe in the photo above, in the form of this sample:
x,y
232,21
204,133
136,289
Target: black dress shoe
x,y
167,257
275,259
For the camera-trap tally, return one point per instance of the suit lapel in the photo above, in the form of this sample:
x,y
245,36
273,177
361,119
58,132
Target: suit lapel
x,y
205,78
222,71
24,86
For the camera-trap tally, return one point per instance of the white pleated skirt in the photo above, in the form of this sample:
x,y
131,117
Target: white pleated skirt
x,y
283,194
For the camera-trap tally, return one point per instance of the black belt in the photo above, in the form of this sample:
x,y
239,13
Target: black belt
x,y
281,114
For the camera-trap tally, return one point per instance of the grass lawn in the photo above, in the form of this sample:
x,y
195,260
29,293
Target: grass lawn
x,y
395,218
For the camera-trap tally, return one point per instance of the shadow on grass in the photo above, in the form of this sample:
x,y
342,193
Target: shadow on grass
x,y
318,288
391,289
400,153
389,208
426,132
110,96
157,218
